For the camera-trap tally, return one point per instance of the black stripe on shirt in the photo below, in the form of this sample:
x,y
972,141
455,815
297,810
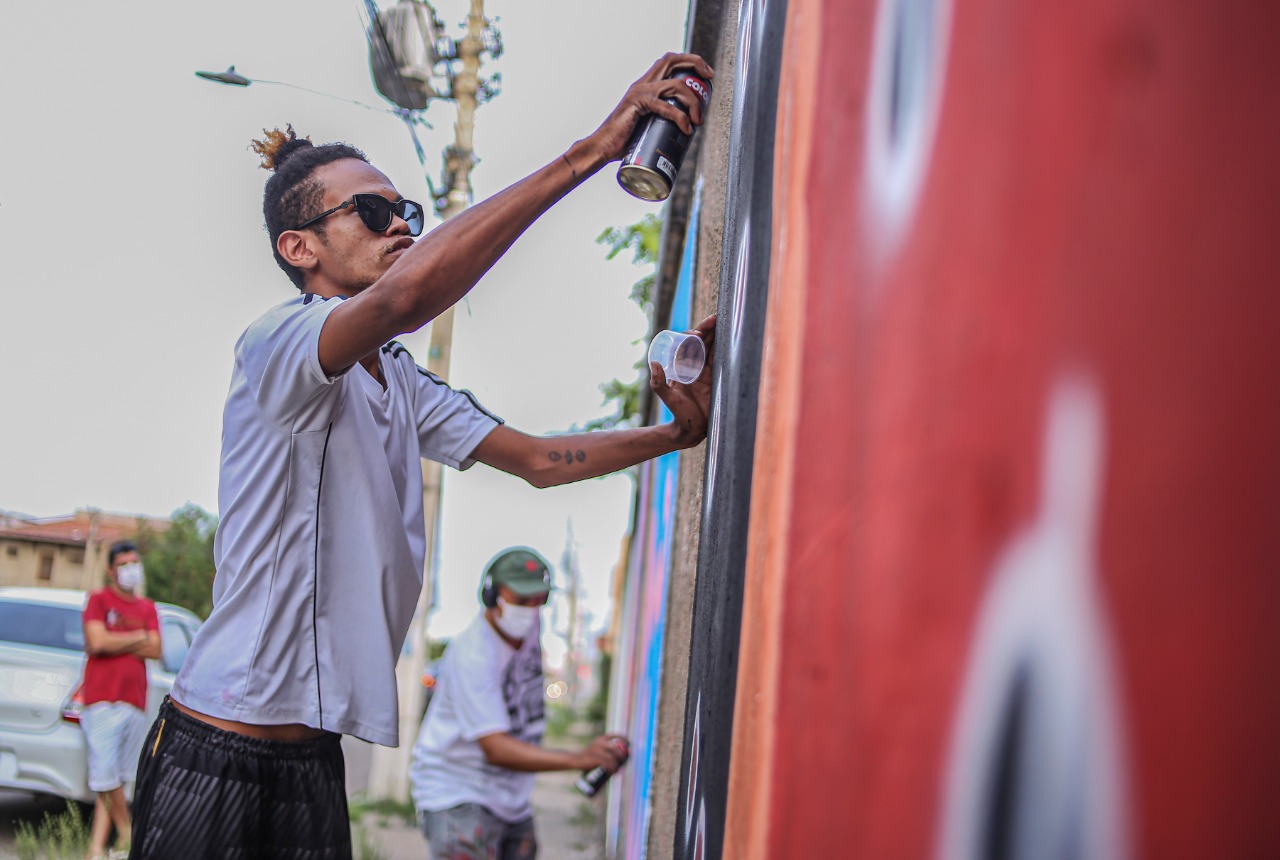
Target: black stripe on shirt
x,y
395,349
315,574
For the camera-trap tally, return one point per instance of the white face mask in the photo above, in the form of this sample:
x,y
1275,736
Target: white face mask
x,y
129,576
516,621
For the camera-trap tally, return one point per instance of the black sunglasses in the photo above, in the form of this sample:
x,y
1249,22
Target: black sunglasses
x,y
376,211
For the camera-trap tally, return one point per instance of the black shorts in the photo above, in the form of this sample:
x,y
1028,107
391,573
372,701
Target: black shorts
x,y
204,793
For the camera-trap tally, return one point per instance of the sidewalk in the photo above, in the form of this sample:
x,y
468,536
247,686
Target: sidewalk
x,y
569,826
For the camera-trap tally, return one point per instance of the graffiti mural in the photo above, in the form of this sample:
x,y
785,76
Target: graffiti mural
x,y
1036,760
1011,587
637,679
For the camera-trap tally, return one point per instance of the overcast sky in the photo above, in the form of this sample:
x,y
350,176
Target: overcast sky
x,y
134,253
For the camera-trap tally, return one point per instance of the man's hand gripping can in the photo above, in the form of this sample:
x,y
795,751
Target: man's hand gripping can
x,y
657,147
593,780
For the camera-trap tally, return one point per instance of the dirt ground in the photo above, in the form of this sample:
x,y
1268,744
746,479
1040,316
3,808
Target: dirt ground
x,y
569,826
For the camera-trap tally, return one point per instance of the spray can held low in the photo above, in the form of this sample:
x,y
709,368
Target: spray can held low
x,y
591,781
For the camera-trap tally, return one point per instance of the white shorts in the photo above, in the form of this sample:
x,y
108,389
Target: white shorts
x,y
115,732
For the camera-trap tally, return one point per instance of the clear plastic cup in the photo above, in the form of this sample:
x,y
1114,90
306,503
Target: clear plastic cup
x,y
681,355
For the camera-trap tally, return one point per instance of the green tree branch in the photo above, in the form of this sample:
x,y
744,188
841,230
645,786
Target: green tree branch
x,y
179,561
642,239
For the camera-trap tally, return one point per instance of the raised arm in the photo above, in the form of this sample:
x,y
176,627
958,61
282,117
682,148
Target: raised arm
x,y
445,264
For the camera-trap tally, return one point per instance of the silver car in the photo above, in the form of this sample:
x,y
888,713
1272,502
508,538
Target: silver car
x,y
42,748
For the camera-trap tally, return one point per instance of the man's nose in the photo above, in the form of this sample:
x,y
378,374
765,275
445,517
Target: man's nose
x,y
398,226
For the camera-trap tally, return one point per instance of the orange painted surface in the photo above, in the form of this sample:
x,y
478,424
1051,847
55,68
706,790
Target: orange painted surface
x,y
755,712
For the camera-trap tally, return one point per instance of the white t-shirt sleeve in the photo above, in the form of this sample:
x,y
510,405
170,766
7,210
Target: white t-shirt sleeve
x,y
451,423
280,357
479,704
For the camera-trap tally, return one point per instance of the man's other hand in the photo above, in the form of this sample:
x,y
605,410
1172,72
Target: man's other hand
x,y
690,404
608,751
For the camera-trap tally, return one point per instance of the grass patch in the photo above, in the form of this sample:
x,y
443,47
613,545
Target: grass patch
x,y
559,720
366,846
384,808
585,816
64,836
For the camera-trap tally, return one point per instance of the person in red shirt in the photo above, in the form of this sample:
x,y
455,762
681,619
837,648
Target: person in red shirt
x,y
121,631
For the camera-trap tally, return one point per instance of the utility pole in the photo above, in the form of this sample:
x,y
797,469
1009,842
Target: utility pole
x,y
459,159
389,768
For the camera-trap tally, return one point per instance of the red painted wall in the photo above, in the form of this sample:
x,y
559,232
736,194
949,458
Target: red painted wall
x,y
1100,201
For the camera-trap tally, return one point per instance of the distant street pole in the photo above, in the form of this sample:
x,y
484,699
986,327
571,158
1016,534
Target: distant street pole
x,y
569,566
389,768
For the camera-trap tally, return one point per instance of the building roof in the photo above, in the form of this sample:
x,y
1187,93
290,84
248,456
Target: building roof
x,y
76,529
9,519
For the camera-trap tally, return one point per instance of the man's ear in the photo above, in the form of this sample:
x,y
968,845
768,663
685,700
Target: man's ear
x,y
295,247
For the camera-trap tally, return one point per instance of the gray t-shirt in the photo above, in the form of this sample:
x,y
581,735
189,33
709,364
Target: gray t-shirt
x,y
484,686
320,547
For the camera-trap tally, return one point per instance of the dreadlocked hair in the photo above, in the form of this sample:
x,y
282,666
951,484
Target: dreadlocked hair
x,y
293,194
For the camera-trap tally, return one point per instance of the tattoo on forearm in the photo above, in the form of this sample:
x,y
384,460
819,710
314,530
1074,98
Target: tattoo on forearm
x,y
569,456
555,456
581,455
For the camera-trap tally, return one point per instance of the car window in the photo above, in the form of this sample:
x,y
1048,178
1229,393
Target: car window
x,y
46,626
175,641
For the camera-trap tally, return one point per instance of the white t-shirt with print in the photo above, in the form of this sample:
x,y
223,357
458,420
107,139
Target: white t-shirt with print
x,y
320,546
483,686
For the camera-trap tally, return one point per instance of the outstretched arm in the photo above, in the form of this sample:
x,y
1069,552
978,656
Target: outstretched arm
x,y
445,264
504,750
548,461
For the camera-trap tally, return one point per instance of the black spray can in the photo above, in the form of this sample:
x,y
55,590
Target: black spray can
x,y
593,780
657,147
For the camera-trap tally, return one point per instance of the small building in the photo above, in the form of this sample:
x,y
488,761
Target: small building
x,y
67,551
